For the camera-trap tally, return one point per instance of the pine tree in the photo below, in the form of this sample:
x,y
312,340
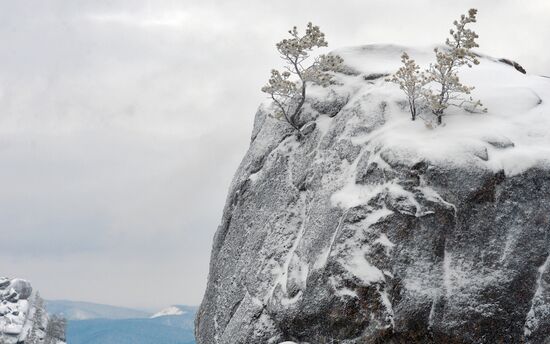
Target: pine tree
x,y
444,72
55,330
32,336
37,318
287,94
410,80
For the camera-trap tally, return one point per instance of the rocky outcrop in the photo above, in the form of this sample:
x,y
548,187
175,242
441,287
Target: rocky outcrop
x,y
375,229
23,318
514,64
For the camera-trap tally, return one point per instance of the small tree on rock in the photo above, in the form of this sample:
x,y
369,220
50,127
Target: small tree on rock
x,y
410,80
288,89
444,72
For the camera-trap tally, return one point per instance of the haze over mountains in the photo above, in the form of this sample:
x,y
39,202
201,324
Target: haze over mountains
x,y
76,310
92,323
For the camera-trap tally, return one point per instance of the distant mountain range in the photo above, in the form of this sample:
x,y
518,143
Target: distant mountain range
x,y
91,323
75,310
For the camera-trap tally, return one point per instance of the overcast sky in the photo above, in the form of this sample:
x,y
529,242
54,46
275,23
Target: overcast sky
x,y
122,123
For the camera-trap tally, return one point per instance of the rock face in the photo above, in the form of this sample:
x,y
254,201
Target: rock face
x,y
375,229
22,312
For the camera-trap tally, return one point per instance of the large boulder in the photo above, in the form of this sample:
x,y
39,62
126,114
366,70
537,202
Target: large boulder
x,y
376,229
22,287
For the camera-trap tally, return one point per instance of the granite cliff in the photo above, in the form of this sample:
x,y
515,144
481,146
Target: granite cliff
x,y
371,228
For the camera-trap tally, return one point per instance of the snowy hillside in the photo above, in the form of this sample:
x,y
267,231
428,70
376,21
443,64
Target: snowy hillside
x,y
374,228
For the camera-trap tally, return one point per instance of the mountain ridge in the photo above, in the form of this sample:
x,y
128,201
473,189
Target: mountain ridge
x,y
81,310
105,324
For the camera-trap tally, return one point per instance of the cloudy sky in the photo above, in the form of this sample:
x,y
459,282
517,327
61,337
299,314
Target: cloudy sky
x,y
122,123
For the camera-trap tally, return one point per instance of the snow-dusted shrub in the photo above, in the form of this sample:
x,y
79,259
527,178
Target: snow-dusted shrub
x,y
443,74
410,80
288,89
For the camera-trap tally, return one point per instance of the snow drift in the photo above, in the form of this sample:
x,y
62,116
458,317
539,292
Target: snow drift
x,y
376,229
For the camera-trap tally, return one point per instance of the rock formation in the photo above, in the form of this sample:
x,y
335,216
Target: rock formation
x,y
376,229
23,319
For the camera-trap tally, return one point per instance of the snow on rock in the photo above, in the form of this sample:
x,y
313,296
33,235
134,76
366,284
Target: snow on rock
x,y
14,308
514,131
374,228
18,306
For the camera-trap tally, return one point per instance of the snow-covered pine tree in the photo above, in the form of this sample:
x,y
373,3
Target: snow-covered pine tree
x,y
37,319
32,336
55,330
410,80
287,94
449,90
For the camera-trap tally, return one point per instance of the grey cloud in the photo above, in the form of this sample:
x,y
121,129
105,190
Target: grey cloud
x,y
122,122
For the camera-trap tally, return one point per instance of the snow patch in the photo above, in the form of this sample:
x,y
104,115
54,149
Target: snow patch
x,y
532,322
253,177
352,195
323,124
172,310
518,109
387,303
362,269
346,292
385,241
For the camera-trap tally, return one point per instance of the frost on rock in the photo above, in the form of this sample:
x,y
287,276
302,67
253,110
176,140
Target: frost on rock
x,y
538,317
374,228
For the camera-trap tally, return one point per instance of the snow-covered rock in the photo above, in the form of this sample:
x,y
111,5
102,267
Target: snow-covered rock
x,y
20,311
376,229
